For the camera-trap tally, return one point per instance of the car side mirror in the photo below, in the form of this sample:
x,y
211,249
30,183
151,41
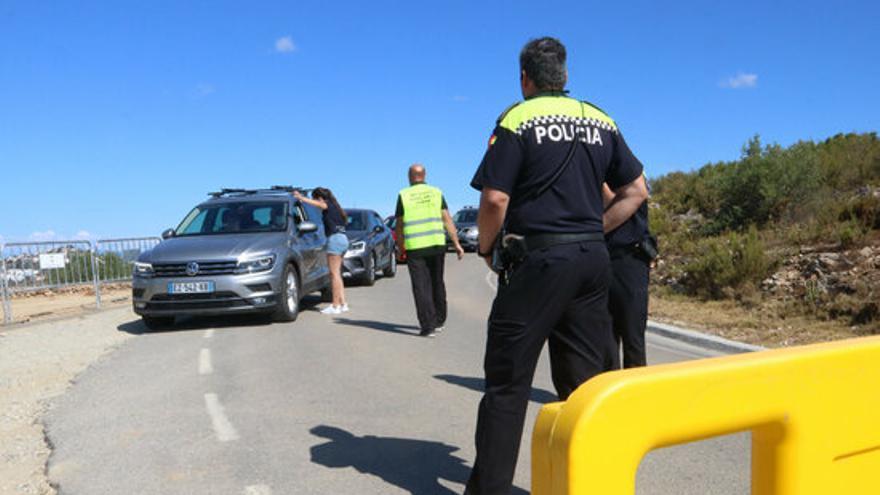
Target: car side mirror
x,y
168,234
306,227
378,229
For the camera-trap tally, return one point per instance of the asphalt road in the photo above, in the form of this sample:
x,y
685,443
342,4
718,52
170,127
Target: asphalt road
x,y
355,404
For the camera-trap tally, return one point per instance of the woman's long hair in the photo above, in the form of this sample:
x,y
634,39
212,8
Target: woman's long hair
x,y
327,195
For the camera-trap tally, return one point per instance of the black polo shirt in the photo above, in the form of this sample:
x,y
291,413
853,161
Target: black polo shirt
x,y
530,142
630,232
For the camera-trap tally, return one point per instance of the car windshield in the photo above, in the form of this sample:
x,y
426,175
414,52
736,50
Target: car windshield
x,y
356,220
235,218
466,216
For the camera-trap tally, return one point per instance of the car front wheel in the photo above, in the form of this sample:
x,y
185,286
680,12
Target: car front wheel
x,y
391,270
369,277
288,304
158,322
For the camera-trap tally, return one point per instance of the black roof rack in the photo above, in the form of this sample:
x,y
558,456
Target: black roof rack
x,y
237,192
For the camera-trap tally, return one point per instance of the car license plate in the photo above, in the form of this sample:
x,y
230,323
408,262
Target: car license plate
x,y
190,287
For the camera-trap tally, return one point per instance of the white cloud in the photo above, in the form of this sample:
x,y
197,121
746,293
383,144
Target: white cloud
x,y
83,235
740,80
204,89
460,98
285,44
46,235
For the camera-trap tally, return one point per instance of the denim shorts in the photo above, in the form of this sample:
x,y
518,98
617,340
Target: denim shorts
x,y
337,244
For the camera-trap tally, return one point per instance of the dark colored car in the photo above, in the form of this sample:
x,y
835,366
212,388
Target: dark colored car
x,y
242,251
391,223
371,247
466,225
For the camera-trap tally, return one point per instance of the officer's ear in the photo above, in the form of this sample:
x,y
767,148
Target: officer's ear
x,y
526,85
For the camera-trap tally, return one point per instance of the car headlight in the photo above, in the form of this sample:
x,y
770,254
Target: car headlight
x,y
142,269
356,249
255,265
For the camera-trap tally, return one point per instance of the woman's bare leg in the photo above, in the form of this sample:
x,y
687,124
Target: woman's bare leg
x,y
338,288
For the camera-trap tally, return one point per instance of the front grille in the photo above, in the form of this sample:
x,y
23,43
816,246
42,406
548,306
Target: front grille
x,y
206,268
215,300
198,297
354,264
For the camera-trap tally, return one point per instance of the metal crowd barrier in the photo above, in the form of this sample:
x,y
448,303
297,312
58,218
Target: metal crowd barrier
x,y
813,412
36,266
116,257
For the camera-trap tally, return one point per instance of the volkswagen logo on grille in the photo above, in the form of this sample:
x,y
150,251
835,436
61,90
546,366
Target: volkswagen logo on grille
x,y
192,268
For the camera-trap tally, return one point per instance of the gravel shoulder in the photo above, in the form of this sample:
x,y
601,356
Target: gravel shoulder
x,y
64,303
39,362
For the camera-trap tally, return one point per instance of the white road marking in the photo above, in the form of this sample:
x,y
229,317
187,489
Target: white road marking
x,y
209,333
490,279
257,490
222,426
205,367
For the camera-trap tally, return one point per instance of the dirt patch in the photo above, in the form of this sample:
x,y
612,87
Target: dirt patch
x,y
758,326
38,363
53,304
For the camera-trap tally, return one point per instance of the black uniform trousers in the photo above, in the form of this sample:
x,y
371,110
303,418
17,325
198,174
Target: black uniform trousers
x,y
628,303
429,290
558,293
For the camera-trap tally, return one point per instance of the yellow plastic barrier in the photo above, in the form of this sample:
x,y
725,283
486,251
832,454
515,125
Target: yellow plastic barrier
x,y
814,413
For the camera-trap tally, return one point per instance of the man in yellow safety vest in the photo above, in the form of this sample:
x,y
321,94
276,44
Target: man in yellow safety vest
x,y
422,215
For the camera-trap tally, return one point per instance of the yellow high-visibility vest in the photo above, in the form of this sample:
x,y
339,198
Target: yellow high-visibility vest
x,y
422,217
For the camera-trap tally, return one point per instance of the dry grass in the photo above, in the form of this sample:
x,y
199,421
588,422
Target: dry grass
x,y
760,325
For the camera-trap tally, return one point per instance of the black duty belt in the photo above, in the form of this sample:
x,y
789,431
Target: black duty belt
x,y
540,241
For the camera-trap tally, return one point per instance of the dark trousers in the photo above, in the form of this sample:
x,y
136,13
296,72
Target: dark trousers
x,y
429,290
558,294
628,304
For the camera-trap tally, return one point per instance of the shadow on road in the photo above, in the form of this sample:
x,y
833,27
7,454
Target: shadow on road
x,y
381,325
413,465
185,323
538,395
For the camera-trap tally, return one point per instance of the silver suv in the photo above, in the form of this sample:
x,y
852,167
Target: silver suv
x,y
241,251
465,221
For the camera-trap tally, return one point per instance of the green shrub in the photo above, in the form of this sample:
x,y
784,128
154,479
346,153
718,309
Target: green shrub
x,y
727,263
850,234
864,210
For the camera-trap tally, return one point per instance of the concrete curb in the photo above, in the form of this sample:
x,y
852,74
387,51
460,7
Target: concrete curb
x,y
701,339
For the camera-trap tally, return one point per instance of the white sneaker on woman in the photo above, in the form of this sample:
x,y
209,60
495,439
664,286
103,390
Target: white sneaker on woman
x,y
331,310
343,308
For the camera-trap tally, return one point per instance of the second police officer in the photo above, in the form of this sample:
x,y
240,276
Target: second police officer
x,y
632,249
541,183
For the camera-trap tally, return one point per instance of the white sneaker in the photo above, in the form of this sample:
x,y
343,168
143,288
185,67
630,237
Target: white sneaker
x,y
331,310
343,308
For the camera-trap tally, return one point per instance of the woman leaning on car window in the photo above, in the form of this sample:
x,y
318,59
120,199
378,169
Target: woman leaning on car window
x,y
337,243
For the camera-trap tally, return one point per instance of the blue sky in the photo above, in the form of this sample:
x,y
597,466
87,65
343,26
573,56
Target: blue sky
x,y
117,117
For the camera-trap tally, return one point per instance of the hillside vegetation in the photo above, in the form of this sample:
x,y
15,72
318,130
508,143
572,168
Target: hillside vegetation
x,y
789,233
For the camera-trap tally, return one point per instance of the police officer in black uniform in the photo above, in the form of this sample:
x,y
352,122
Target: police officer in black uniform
x,y
632,248
541,180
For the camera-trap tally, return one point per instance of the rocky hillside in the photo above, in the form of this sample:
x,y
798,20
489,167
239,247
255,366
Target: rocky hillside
x,y
785,232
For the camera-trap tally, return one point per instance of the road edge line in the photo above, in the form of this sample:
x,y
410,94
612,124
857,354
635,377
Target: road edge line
x,y
704,340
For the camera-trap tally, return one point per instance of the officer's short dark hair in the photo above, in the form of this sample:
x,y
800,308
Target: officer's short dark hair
x,y
543,61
